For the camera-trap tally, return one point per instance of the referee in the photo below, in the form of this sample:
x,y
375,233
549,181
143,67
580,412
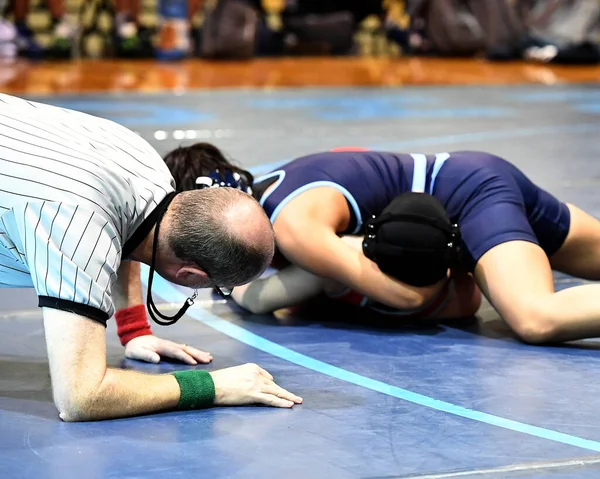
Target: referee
x,y
79,195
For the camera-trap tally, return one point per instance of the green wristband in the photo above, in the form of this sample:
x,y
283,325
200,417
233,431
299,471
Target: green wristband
x,y
197,389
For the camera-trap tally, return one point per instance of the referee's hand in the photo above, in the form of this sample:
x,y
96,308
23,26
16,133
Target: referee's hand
x,y
150,349
250,384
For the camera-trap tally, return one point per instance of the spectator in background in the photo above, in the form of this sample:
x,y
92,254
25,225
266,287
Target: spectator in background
x,y
129,37
332,23
8,36
132,39
238,28
62,36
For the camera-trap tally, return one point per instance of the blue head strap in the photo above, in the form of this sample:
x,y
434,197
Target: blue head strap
x,y
226,178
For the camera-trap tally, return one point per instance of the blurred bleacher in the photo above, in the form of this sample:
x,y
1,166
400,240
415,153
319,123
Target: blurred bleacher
x,y
95,19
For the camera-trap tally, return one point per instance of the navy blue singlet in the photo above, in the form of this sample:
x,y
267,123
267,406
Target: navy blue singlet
x,y
490,199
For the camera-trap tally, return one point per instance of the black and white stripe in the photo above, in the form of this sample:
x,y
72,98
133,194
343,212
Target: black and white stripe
x,y
73,189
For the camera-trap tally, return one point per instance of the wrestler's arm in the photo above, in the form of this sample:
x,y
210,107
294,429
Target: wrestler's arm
x,y
285,288
306,235
292,286
464,298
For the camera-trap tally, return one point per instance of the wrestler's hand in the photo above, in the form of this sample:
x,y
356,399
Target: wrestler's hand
x,y
250,384
149,348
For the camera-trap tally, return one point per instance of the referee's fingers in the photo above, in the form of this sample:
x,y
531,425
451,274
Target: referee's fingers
x,y
277,391
143,354
175,351
271,400
200,356
265,373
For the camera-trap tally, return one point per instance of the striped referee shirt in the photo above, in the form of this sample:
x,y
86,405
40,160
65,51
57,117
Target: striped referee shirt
x,y
77,194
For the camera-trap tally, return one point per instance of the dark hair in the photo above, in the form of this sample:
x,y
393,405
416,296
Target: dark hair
x,y
199,232
190,162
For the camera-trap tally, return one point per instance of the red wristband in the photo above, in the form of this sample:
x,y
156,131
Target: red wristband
x,y
132,323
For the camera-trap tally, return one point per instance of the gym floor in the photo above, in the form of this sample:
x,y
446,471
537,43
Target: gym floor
x,y
462,399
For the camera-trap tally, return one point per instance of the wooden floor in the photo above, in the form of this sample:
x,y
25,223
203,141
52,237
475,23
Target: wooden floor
x,y
153,76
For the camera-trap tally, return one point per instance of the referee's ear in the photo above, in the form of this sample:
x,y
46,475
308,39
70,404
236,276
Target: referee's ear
x,y
191,275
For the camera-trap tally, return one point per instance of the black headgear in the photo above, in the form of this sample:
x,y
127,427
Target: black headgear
x,y
413,240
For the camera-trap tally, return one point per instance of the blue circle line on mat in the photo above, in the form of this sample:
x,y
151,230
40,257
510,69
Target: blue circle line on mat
x,y
170,293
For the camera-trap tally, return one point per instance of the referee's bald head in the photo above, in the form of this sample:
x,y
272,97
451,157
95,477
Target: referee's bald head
x,y
222,231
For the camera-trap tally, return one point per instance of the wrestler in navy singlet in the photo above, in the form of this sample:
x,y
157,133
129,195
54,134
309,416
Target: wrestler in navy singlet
x,y
489,198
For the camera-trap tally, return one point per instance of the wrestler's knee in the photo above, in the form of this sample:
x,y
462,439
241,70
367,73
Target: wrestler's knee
x,y
535,323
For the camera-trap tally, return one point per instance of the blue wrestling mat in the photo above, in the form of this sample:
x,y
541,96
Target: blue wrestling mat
x,y
462,399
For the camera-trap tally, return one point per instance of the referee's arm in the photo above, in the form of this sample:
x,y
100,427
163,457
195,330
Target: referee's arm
x,y
84,388
73,256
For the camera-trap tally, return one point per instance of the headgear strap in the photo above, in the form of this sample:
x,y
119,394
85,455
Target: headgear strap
x,y
225,178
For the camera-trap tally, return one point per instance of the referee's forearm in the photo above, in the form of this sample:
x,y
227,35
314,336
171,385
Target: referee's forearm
x,y
84,388
127,290
121,394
